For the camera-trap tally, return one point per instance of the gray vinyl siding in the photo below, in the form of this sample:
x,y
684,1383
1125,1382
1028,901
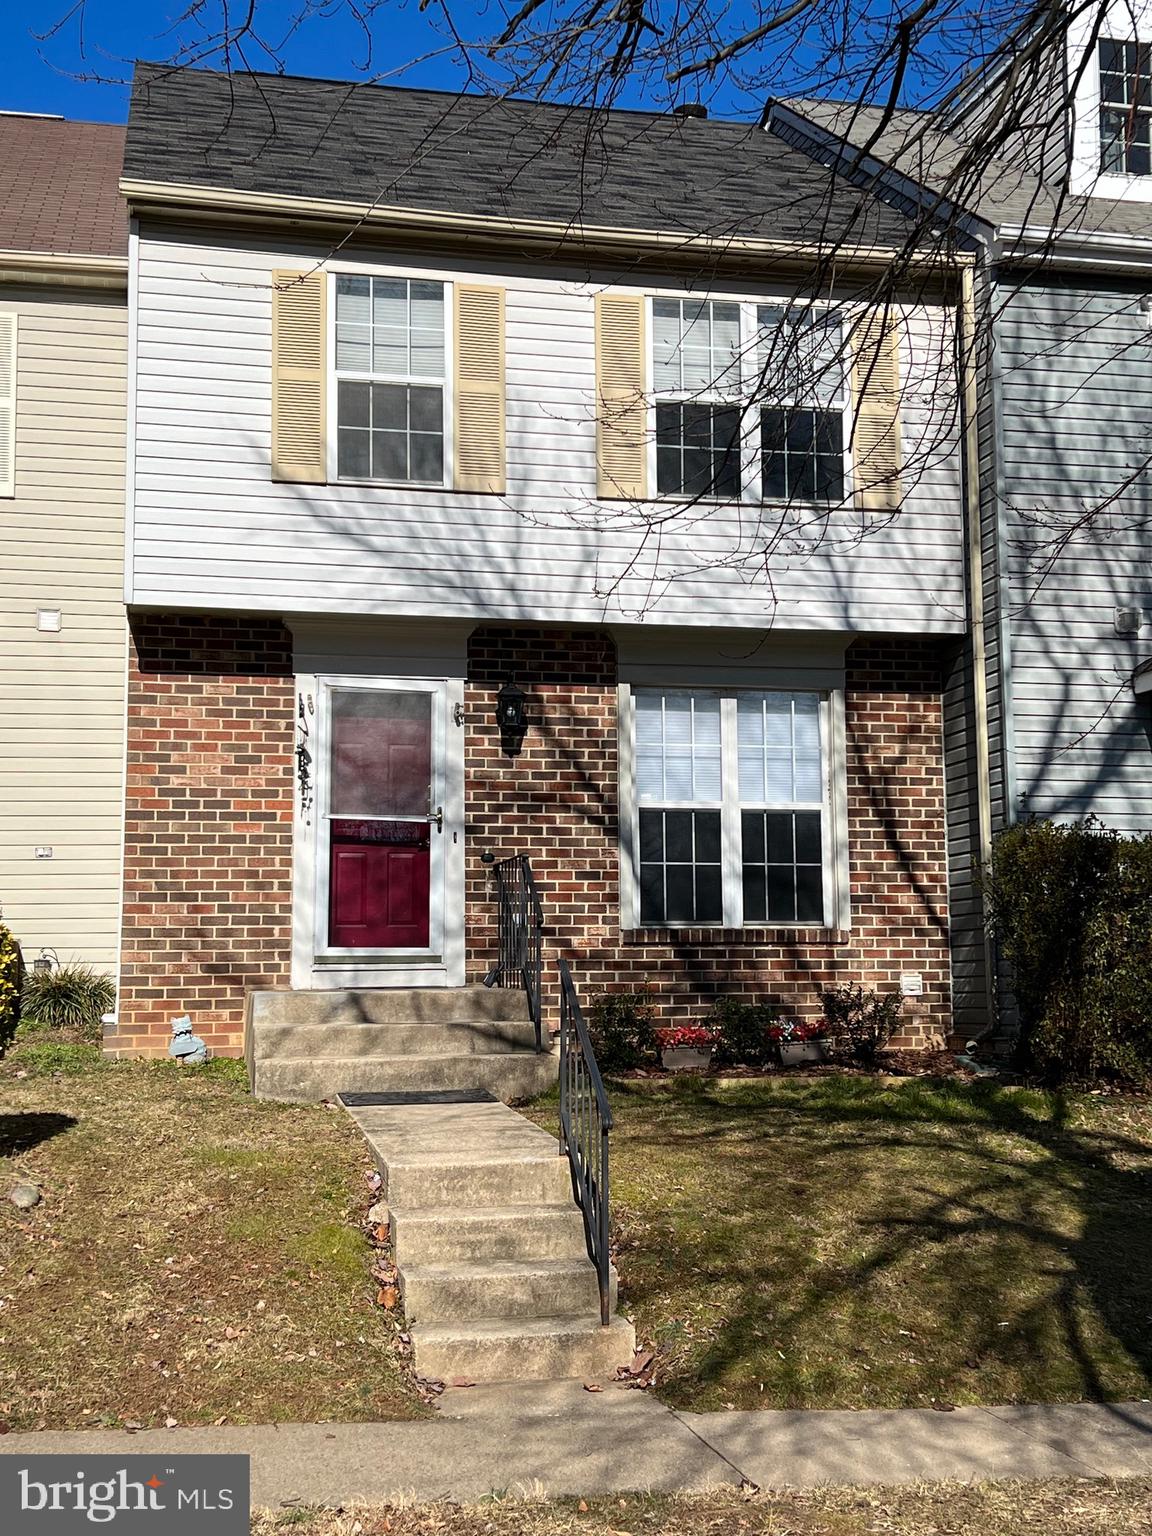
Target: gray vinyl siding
x,y
1076,366
1035,132
970,985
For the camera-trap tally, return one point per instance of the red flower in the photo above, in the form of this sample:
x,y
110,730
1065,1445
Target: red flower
x,y
693,1037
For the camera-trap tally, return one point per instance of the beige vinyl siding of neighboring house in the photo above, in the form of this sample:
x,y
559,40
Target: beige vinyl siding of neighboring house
x,y
62,695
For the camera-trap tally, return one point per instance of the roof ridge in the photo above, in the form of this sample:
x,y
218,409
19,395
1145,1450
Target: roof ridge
x,y
280,78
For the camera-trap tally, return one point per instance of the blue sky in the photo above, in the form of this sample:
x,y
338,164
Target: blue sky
x,y
83,78
74,57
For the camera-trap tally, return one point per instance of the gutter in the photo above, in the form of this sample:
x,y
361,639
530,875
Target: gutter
x,y
178,198
979,637
45,267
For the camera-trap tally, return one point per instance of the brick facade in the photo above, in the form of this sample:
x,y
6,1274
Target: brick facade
x,y
208,832
208,850
558,802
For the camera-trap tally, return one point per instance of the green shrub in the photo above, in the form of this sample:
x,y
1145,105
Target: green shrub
x,y
742,1032
11,967
861,1019
622,1030
1071,907
70,999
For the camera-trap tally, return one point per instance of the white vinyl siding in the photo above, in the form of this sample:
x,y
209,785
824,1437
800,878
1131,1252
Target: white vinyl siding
x,y
212,531
62,695
9,345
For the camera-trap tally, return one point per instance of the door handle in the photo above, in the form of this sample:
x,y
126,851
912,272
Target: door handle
x,y
438,818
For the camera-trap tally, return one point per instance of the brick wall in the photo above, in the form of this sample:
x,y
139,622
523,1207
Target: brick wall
x,y
558,802
208,835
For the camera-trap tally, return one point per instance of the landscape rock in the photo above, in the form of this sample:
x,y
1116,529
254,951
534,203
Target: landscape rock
x,y
25,1196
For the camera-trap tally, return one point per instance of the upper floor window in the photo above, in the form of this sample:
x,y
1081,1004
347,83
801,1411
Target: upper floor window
x,y
801,357
390,379
1125,108
713,361
696,382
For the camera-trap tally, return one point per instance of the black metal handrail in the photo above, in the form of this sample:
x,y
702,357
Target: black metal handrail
x,y
585,1120
520,925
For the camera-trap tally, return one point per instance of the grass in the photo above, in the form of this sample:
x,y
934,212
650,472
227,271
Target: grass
x,y
1058,1508
839,1243
197,1255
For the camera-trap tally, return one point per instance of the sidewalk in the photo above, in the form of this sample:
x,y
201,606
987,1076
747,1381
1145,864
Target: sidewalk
x,y
557,1439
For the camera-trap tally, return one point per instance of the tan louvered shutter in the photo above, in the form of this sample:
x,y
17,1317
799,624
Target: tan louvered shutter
x,y
479,348
299,368
621,407
876,411
7,405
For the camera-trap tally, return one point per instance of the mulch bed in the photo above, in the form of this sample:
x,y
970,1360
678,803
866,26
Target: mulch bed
x,y
910,1063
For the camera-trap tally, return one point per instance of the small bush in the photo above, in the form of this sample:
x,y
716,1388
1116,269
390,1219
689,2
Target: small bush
x,y
11,967
1072,909
70,999
861,1019
620,1024
742,1031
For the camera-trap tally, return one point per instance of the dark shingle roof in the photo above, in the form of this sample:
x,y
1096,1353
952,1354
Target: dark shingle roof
x,y
434,151
60,187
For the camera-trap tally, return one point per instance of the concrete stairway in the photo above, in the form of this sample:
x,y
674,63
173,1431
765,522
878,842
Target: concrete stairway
x,y
313,1045
494,1271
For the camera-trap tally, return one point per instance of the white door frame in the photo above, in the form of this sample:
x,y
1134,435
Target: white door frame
x,y
315,964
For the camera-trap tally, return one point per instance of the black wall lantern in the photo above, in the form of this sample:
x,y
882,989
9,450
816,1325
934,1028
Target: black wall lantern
x,y
512,717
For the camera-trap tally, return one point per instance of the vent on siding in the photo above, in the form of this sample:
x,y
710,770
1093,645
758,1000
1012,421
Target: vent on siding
x,y
876,412
621,408
7,405
480,449
298,370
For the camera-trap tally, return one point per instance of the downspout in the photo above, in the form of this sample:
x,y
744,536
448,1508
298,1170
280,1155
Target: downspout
x,y
975,555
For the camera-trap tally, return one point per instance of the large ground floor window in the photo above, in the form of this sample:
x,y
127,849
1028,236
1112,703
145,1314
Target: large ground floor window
x,y
731,807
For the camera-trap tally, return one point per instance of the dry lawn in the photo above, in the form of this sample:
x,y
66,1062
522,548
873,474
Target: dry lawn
x,y
1079,1508
839,1244
198,1255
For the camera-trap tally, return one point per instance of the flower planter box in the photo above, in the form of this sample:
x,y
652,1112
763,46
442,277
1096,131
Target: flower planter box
x,y
685,1058
794,1052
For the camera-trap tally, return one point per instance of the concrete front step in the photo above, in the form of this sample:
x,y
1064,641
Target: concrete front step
x,y
306,1079
388,1005
463,1234
505,1288
489,1247
273,1041
540,1349
493,1182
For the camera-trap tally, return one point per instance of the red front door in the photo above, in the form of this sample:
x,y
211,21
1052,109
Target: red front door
x,y
379,827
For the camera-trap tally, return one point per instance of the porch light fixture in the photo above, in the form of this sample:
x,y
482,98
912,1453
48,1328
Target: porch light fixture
x,y
512,717
46,962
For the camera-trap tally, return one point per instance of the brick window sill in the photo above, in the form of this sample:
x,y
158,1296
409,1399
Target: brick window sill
x,y
732,937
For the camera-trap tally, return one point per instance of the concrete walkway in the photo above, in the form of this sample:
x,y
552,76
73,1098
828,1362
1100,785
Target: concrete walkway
x,y
555,1438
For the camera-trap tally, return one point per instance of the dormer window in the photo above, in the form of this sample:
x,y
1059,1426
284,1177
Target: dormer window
x,y
1125,108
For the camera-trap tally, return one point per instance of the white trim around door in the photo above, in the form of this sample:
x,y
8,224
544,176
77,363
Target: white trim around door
x,y
315,963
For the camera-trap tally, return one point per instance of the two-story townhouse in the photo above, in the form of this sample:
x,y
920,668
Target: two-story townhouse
x,y
63,386
1060,217
449,481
